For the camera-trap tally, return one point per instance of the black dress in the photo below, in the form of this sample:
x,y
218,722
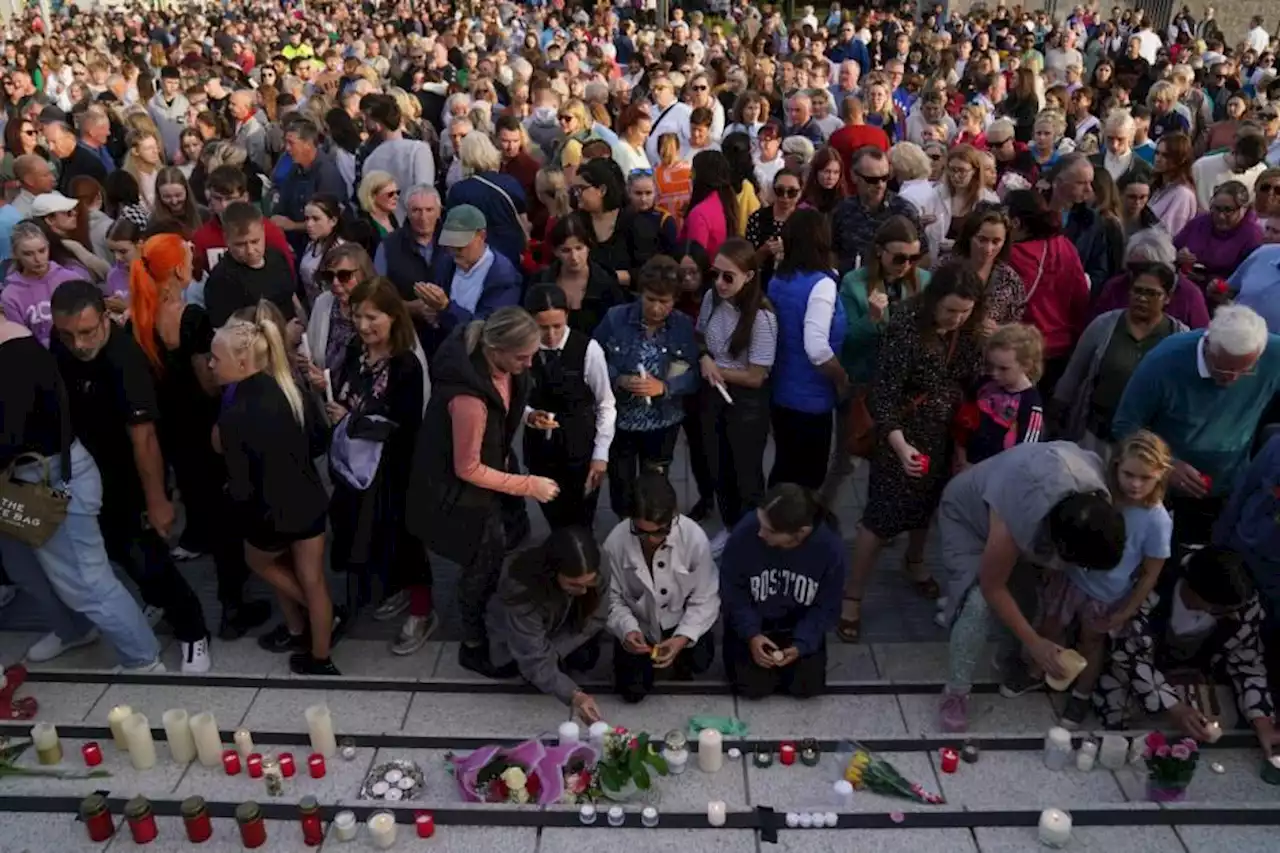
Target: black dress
x,y
602,293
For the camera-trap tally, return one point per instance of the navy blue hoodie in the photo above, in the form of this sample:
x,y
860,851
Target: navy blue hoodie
x,y
775,589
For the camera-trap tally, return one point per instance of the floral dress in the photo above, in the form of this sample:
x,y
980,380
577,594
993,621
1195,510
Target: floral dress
x,y
1006,296
918,387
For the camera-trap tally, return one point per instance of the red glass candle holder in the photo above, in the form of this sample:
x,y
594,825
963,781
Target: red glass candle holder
x,y
92,754
287,765
97,818
315,765
787,754
425,823
923,459
254,764
950,760
231,761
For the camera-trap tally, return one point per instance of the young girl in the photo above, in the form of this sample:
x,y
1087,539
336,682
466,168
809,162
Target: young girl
x,y
1104,602
124,240
1008,409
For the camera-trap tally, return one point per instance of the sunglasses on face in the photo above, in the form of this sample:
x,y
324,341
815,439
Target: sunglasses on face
x,y
873,179
341,276
899,259
391,193
1268,188
565,119
1224,209
727,276
786,192
659,533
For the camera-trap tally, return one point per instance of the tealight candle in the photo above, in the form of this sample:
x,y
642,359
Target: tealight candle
x,y
833,820
735,754
204,730
570,732
649,817
142,749
710,751
806,820
717,813
320,728
115,719
177,733
48,746
587,815
617,817
315,766
345,826
1055,828
793,820
347,749
244,742
425,823
382,829
231,762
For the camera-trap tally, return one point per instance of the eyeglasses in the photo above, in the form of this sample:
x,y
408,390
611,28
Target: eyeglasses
x,y
660,533
786,192
1224,209
873,179
341,276
899,258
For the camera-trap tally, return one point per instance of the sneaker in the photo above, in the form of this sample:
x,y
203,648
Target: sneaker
x,y
143,669
1020,682
50,646
1074,713
238,621
154,615
953,714
195,656
717,544
392,606
183,555
414,634
278,640
302,663
7,594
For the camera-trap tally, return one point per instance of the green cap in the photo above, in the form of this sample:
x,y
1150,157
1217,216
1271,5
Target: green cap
x,y
461,225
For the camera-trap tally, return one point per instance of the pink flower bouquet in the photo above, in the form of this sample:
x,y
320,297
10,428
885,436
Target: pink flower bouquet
x,y
1170,766
529,773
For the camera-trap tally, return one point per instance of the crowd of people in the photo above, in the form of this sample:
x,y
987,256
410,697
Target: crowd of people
x,y
351,282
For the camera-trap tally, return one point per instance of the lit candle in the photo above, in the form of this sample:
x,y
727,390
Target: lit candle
x,y
92,754
320,725
177,732
48,747
253,763
287,765
425,823
142,749
231,762
717,813
382,829
569,733
1055,828
115,719
315,766
244,742
710,751
649,817
950,760
1086,755
1214,731
204,730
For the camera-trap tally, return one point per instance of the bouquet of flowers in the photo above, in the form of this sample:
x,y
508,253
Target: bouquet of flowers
x,y
1170,766
868,772
628,761
495,774
569,772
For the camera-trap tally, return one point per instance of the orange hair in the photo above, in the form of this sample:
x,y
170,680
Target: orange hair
x,y
155,266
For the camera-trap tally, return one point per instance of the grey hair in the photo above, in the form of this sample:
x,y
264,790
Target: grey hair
x,y
420,189
1237,191
478,154
508,329
909,161
1120,121
1237,330
1151,246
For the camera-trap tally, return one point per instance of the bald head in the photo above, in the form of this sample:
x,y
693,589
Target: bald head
x,y
33,173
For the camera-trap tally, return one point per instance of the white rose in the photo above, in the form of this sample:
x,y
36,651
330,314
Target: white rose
x,y
515,779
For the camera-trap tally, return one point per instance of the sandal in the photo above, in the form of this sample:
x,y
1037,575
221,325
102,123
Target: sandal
x,y
921,580
849,630
15,709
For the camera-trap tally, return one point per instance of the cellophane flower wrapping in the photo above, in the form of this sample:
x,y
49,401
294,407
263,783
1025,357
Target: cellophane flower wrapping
x,y
866,771
567,773
528,773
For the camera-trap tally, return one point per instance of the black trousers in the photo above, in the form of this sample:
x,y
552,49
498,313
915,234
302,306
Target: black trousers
x,y
633,674
573,506
201,477
699,459
802,447
145,558
736,436
478,580
633,452
805,678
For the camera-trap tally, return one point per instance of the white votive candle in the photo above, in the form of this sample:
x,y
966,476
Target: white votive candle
x,y
142,749
597,732
177,732
345,826
244,743
1055,828
710,751
717,812
382,829
320,726
204,730
48,747
569,733
115,719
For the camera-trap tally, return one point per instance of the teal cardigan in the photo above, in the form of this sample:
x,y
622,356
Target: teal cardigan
x,y
858,355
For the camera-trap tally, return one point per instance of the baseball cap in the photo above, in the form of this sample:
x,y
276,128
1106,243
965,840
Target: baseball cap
x,y
54,202
461,225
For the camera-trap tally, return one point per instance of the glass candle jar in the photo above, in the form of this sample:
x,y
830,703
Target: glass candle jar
x,y
345,826
142,821
272,776
288,766
92,754
96,818
253,829
195,816
676,751
309,815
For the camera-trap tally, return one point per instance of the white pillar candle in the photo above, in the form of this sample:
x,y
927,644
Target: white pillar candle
x,y
1055,828
177,731
320,725
48,747
569,733
115,719
717,812
142,749
244,743
204,731
1114,752
597,732
382,829
710,751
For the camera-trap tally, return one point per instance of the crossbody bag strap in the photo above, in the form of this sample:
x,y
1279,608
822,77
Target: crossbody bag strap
x,y
1044,256
661,116
64,454
515,211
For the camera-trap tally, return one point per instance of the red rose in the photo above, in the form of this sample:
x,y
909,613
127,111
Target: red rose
x,y
533,786
498,791
1155,740
634,743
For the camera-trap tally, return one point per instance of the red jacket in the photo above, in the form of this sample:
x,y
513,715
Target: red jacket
x,y
209,243
1057,291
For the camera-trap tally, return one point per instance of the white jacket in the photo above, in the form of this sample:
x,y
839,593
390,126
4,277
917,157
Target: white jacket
x,y
682,592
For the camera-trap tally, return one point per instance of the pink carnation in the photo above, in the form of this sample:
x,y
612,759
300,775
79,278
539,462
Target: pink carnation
x,y
1180,752
1163,752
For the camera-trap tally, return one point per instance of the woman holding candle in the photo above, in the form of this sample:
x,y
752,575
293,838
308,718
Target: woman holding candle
x,y
547,615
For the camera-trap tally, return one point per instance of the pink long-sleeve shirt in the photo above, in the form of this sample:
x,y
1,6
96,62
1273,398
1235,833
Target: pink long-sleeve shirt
x,y
469,416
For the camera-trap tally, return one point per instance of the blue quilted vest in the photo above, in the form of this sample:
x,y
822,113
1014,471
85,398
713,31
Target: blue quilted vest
x,y
796,383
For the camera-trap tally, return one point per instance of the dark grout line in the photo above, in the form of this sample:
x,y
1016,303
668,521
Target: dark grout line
x,y
1182,842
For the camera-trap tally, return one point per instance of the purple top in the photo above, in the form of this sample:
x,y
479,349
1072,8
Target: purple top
x,y
117,283
1186,303
25,300
1220,252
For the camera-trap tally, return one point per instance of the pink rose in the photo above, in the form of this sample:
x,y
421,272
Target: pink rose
x,y
1155,740
1163,752
1180,752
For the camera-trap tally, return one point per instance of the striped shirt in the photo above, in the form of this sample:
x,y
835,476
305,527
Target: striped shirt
x,y
717,321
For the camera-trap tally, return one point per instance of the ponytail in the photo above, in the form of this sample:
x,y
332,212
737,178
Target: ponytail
x,y
277,358
156,265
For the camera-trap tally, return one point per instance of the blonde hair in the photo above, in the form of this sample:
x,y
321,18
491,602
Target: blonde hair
x,y
370,185
1025,342
553,190
1151,450
261,340
909,161
508,329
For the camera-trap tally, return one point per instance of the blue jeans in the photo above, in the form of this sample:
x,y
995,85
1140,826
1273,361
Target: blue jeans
x,y
69,576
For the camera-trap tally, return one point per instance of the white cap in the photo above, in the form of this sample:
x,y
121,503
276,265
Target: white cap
x,y
54,202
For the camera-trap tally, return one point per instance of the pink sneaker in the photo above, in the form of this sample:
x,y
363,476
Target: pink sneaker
x,y
954,712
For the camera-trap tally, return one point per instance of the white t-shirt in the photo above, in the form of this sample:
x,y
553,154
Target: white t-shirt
x,y
674,120
1258,39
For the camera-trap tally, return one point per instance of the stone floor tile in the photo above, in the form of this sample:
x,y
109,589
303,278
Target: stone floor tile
x,y
227,704
372,659
846,663
659,714
34,832
447,668
450,839
823,717
354,712
239,657
988,713
124,781
607,839
64,703
876,841
1095,839
340,783
924,662
1236,839
1013,780
496,715
801,788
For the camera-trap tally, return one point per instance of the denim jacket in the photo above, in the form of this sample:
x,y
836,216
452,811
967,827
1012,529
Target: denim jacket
x,y
670,355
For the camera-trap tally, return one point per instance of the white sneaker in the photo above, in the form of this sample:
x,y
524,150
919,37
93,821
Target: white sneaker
x,y
717,544
8,593
195,656
49,646
153,615
155,666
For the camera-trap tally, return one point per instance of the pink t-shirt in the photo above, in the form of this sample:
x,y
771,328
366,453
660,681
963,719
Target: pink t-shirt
x,y
706,224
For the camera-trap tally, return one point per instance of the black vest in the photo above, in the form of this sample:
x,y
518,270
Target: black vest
x,y
560,387
405,266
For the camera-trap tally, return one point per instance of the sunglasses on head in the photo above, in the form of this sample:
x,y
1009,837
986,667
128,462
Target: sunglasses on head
x,y
340,276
